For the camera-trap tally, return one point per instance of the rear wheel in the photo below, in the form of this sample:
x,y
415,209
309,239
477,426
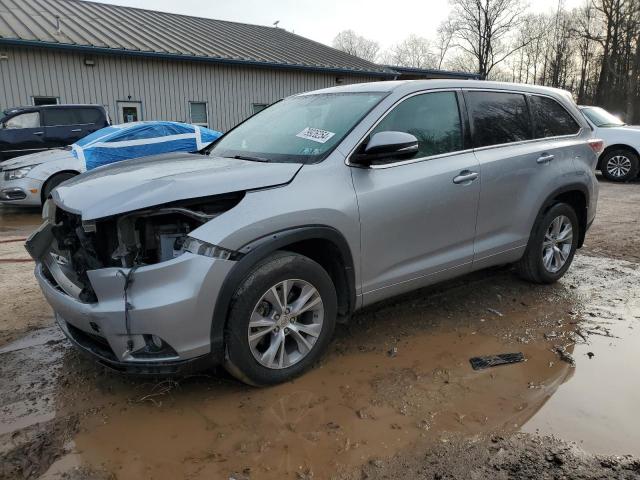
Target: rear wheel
x,y
53,182
281,320
552,245
620,165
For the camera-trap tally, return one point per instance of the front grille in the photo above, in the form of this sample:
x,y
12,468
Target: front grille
x,y
76,247
94,343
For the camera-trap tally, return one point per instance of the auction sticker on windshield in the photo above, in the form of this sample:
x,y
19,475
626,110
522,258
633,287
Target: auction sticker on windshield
x,y
315,134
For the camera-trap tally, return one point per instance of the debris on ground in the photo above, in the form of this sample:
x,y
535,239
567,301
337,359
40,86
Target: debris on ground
x,y
479,363
564,355
495,312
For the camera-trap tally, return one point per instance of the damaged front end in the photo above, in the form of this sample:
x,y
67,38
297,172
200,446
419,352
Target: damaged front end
x,y
69,247
86,270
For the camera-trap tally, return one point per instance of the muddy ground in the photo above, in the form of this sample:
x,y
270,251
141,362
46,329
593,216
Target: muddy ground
x,y
395,397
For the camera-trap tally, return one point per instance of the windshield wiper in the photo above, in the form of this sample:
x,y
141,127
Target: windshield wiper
x,y
251,159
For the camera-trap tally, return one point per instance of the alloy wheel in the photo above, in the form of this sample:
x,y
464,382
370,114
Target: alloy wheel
x,y
557,243
285,323
619,166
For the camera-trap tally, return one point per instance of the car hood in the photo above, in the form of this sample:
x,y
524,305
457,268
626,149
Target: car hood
x,y
135,184
36,158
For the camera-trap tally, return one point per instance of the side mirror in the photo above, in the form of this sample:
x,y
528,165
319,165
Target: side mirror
x,y
387,145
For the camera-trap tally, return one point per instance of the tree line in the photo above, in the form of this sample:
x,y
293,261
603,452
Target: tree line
x,y
592,50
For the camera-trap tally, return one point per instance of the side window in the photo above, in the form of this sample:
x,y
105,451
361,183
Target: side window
x,y
498,117
83,116
26,120
54,117
433,118
551,119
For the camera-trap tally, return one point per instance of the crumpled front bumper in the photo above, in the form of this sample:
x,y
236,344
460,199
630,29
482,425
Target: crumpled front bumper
x,y
173,300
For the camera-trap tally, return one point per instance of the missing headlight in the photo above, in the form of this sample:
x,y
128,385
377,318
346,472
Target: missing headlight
x,y
150,236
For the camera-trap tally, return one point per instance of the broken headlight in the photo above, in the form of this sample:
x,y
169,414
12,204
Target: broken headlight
x,y
193,245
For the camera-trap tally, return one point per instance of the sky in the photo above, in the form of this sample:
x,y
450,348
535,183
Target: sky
x,y
386,22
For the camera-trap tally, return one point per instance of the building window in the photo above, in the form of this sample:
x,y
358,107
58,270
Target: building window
x,y
45,101
258,107
198,112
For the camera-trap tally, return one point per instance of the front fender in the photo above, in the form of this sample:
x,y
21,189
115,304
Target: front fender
x,y
258,250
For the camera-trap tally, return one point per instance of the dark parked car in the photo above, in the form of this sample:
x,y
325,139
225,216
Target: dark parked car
x,y
32,129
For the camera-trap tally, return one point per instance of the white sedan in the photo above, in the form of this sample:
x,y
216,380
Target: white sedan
x,y
29,179
620,160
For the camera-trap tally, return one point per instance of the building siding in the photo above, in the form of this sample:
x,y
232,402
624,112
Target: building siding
x,y
164,87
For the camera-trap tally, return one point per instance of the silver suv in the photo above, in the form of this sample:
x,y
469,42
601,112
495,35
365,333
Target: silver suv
x,y
248,253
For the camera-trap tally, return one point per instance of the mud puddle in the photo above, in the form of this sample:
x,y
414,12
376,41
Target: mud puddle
x,y
396,378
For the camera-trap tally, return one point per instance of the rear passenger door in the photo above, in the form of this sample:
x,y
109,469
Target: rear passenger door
x,y
521,142
418,216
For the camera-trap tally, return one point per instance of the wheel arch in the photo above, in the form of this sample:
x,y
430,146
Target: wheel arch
x,y
46,182
576,195
615,146
323,244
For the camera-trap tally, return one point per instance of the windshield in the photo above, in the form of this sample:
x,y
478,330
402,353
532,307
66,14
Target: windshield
x,y
302,129
601,118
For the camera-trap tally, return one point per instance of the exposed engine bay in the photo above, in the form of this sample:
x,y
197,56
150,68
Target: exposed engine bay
x,y
130,240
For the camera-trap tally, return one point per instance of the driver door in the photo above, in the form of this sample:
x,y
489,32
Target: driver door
x,y
22,134
418,216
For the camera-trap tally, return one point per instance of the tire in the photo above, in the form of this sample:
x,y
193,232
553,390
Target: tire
x,y
251,362
532,266
620,165
53,182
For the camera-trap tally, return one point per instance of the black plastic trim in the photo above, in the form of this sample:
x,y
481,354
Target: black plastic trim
x,y
258,250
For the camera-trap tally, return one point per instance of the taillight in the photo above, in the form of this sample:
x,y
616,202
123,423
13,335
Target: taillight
x,y
596,145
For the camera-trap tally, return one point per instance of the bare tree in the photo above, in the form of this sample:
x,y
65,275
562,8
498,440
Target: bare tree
x,y
354,44
444,41
482,28
414,51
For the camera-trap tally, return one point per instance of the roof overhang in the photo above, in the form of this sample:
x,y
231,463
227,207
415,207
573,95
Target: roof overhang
x,y
193,58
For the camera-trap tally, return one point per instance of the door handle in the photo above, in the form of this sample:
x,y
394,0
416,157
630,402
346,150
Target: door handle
x,y
545,158
465,176
38,133
75,130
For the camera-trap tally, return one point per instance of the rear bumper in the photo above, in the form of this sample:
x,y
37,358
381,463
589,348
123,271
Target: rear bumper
x,y
172,300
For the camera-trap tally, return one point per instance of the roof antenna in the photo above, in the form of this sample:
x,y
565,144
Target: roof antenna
x,y
58,24
275,24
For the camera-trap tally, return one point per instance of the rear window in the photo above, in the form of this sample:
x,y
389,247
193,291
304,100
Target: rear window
x,y
551,119
498,117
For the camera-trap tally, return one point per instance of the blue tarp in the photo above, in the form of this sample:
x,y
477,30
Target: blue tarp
x,y
140,139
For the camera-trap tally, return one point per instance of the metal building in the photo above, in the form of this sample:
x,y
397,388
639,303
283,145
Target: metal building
x,y
148,65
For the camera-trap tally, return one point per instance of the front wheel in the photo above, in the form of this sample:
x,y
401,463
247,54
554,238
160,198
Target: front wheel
x,y
281,320
552,245
620,165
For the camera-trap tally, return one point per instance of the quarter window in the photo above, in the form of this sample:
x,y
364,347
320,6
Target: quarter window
x,y
498,117
551,119
433,118
26,120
